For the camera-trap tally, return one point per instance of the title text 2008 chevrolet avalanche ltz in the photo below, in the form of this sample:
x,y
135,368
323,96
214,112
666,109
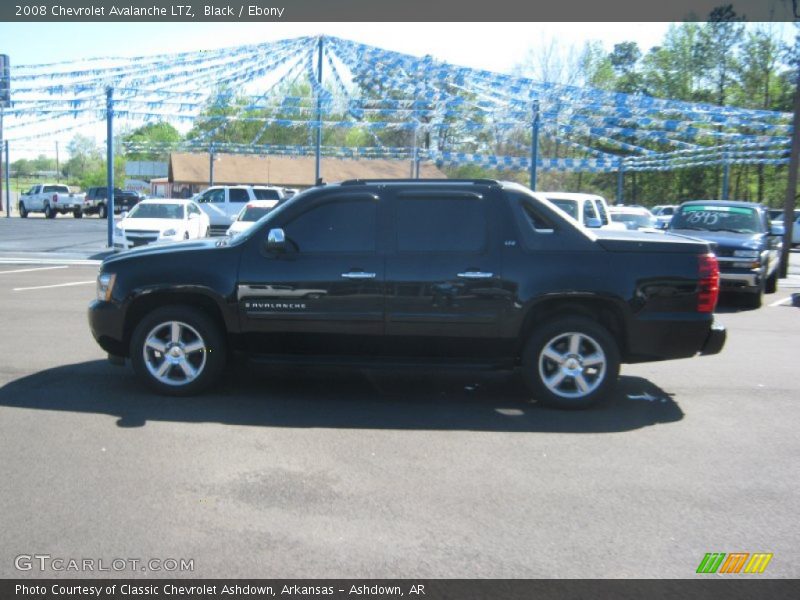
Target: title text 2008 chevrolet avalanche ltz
x,y
419,271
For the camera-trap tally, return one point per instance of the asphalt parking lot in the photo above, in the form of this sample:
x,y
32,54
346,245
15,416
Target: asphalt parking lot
x,y
284,472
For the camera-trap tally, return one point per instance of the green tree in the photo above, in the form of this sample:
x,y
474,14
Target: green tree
x,y
152,133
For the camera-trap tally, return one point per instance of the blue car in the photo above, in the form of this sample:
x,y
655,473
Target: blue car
x,y
747,245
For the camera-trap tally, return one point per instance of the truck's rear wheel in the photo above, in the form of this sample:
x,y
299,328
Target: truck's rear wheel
x,y
23,212
178,350
570,363
77,213
49,213
101,211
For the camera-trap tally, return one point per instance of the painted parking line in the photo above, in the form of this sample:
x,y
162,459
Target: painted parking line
x,y
787,300
48,261
34,269
57,285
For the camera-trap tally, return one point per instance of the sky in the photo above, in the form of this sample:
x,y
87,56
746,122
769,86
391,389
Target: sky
x,y
492,46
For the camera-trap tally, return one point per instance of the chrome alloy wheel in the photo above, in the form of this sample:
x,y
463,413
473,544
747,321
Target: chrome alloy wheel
x,y
572,365
174,353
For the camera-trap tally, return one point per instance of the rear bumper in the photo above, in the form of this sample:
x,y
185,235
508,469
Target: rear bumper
x,y
663,337
715,340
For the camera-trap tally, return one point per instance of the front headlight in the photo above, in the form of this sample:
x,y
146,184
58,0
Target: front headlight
x,y
746,253
105,284
169,232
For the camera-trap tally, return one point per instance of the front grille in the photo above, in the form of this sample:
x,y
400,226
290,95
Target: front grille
x,y
140,237
219,229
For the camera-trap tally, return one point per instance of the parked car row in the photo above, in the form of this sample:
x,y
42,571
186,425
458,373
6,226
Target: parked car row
x,y
56,198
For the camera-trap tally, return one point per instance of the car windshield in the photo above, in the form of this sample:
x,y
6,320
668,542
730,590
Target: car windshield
x,y
262,194
738,219
157,211
568,206
633,221
254,213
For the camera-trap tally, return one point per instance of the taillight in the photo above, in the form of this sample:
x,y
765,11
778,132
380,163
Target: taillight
x,y
55,197
708,286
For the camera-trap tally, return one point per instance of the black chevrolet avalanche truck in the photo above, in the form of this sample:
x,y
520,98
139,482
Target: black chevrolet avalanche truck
x,y
474,273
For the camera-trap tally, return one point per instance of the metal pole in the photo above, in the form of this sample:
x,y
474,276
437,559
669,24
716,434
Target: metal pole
x,y
620,183
726,175
791,188
58,168
414,155
534,144
317,178
110,164
211,165
1,155
8,187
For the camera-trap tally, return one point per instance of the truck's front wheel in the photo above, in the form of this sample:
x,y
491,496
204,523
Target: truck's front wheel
x,y
570,363
23,212
178,350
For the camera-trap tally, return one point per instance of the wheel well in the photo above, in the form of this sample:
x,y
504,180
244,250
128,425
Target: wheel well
x,y
603,311
147,303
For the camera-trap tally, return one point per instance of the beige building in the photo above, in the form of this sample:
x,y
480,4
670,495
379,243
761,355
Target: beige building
x,y
189,173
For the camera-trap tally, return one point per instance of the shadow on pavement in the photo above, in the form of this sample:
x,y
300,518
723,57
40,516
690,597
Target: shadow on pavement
x,y
320,397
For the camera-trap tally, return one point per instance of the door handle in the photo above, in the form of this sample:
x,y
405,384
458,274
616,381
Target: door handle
x,y
476,275
358,275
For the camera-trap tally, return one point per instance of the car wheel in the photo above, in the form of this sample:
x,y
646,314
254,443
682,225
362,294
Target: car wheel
x,y
186,235
101,211
178,350
754,300
570,363
23,212
49,213
771,285
77,214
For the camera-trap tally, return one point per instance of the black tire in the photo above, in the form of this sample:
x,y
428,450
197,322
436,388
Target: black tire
x,y
101,211
23,212
49,213
771,285
200,329
77,214
754,300
593,340
186,235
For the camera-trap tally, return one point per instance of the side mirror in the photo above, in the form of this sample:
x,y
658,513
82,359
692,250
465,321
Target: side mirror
x,y
276,240
594,223
124,214
776,229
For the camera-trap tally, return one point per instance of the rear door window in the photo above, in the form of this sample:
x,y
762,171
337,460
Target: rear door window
x,y
436,223
238,195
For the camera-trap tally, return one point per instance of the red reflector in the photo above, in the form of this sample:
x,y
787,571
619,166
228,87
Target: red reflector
x,y
708,285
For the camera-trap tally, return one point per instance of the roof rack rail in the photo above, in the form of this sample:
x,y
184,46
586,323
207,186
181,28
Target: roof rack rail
x,y
425,181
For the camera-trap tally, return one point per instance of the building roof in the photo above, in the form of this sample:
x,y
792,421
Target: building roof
x,y
230,169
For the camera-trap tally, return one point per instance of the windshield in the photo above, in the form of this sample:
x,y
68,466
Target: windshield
x,y
157,211
254,213
738,219
634,221
568,206
262,194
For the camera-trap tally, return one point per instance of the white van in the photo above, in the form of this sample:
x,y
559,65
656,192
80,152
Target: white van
x,y
223,202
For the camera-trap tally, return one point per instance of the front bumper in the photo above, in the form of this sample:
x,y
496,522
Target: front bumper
x,y
106,322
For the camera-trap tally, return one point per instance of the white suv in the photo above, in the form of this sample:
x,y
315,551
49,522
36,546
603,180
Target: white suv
x,y
223,202
587,209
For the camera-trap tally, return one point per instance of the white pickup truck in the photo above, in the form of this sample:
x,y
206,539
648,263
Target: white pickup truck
x,y
51,199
